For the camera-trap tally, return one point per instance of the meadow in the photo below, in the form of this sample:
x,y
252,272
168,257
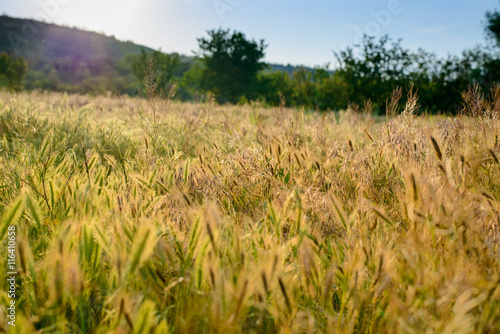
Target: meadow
x,y
154,216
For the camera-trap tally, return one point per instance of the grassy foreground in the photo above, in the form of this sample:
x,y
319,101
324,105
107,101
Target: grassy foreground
x,y
155,217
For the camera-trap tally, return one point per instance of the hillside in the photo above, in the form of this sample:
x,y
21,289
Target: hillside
x,y
43,42
70,59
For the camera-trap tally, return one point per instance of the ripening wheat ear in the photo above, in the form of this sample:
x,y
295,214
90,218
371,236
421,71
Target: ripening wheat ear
x,y
368,107
482,106
34,209
144,318
411,106
142,247
10,216
472,101
392,105
150,83
495,95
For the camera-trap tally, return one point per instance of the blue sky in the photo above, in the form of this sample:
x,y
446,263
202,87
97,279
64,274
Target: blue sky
x,y
297,32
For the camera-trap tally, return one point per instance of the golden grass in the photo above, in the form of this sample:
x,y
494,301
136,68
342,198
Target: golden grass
x,y
152,217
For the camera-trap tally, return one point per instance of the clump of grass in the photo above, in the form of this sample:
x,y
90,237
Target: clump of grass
x,y
202,218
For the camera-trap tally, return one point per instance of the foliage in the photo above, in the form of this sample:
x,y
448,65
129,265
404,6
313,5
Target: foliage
x,y
231,64
14,69
190,86
372,72
492,26
272,85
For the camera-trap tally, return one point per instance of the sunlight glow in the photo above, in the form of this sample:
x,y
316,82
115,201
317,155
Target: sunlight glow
x,y
106,16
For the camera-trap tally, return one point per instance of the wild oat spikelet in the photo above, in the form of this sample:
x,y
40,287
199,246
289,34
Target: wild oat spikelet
x,y
297,158
211,236
494,156
285,294
437,149
366,133
264,281
240,299
414,187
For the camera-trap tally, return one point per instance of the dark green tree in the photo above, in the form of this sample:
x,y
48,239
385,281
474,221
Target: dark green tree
x,y
14,70
492,28
493,25
373,69
231,64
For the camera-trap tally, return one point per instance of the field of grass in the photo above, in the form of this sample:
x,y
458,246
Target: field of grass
x,y
150,216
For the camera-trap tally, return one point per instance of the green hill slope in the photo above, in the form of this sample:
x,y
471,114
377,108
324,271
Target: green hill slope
x,y
35,40
69,59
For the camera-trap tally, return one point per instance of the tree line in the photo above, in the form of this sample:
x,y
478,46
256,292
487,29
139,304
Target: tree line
x,y
229,68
